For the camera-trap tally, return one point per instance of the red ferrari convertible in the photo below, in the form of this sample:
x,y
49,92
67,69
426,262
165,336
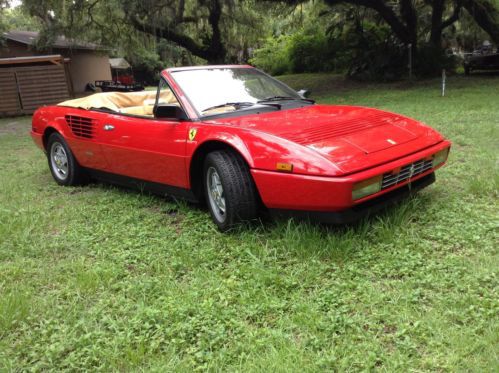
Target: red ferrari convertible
x,y
241,141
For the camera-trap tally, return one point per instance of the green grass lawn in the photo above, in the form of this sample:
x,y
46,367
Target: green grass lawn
x,y
100,277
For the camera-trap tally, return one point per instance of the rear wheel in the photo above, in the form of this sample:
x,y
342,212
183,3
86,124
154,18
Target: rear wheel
x,y
229,189
63,165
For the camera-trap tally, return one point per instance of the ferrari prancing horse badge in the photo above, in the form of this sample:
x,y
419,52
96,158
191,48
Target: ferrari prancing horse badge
x,y
192,133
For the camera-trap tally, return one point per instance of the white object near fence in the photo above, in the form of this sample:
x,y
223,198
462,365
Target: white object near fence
x,y
443,82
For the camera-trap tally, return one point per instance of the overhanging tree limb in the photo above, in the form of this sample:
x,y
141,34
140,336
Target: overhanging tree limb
x,y
168,33
455,15
398,27
209,46
389,16
437,24
486,15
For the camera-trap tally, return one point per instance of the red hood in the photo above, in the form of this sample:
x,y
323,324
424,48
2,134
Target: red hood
x,y
353,138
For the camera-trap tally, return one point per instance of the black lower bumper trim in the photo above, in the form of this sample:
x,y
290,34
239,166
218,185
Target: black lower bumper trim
x,y
359,211
143,185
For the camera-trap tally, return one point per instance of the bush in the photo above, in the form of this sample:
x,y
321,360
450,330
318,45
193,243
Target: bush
x,y
304,51
368,53
431,60
309,52
375,55
273,56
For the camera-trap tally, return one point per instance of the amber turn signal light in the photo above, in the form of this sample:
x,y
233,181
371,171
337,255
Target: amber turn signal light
x,y
285,167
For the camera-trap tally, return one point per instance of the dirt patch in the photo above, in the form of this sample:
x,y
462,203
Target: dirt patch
x,y
15,126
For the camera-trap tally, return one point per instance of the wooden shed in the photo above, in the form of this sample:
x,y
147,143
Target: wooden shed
x,y
27,83
88,62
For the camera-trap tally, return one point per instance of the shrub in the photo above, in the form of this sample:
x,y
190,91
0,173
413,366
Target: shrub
x,y
309,52
368,53
375,55
431,60
273,56
304,51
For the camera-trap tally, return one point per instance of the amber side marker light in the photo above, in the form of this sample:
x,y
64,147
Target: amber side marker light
x,y
285,167
440,157
367,187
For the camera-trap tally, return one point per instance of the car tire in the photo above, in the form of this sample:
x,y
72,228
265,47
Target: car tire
x,y
63,165
230,192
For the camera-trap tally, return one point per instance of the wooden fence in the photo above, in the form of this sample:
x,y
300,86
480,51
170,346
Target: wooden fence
x,y
24,89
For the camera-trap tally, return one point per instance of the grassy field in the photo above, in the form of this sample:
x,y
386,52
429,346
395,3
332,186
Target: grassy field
x,y
104,278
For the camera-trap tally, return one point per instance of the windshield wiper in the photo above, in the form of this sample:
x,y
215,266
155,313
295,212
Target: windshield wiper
x,y
237,105
282,98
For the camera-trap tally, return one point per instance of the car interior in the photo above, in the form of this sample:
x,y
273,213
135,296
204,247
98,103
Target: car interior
x,y
132,103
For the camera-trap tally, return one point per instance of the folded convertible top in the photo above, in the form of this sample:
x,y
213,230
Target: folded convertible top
x,y
139,103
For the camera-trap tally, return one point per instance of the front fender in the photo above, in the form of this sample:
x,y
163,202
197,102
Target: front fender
x,y
45,120
261,150
230,139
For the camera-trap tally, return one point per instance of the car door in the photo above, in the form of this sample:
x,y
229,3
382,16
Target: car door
x,y
147,148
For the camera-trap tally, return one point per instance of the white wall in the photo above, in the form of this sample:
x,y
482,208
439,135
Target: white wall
x,y
87,67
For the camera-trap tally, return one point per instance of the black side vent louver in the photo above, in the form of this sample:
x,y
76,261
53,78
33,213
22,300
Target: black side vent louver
x,y
81,126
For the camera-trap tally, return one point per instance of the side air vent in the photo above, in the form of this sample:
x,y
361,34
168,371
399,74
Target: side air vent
x,y
81,126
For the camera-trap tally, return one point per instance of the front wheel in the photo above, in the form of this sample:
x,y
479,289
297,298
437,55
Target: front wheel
x,y
229,189
63,165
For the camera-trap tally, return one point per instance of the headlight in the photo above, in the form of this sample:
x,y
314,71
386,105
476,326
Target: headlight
x,y
440,157
366,187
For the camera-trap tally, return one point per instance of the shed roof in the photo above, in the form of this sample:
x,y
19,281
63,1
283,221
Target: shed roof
x,y
30,37
53,58
119,63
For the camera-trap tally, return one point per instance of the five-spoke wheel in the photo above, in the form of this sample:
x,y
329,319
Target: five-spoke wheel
x,y
216,193
59,160
63,165
229,189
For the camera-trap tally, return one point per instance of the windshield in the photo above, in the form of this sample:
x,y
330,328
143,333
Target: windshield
x,y
218,90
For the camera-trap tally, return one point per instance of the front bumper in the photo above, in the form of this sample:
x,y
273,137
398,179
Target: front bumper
x,y
37,139
287,191
358,211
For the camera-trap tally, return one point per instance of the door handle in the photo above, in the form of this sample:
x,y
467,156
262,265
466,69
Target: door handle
x,y
108,127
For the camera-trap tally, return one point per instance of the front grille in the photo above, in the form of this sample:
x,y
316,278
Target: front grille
x,y
81,126
406,173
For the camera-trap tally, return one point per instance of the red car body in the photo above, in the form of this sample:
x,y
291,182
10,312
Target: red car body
x,y
326,151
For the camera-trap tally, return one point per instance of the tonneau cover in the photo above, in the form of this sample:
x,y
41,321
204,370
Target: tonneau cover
x,y
137,103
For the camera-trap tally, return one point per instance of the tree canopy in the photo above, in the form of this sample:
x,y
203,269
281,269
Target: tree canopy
x,y
155,32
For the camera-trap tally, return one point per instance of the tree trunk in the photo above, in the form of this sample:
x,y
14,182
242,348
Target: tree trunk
x,y
436,23
216,50
410,18
486,15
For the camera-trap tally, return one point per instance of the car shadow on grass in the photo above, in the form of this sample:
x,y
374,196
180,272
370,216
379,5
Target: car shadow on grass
x,y
293,238
391,217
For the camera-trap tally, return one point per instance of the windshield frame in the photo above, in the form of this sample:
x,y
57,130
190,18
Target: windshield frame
x,y
260,107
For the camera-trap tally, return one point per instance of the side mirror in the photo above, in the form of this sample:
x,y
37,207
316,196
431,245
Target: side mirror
x,y
304,93
169,111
